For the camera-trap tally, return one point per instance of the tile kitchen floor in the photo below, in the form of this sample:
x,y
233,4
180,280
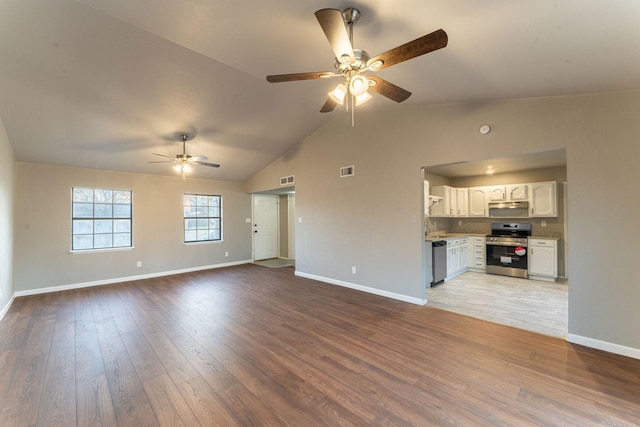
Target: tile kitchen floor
x,y
526,304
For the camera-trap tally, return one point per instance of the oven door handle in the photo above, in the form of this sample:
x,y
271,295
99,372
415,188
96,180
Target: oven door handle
x,y
524,245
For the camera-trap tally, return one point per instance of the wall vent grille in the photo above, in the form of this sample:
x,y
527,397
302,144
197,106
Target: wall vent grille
x,y
347,171
287,180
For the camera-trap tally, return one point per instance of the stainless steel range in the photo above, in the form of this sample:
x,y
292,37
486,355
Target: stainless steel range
x,y
507,249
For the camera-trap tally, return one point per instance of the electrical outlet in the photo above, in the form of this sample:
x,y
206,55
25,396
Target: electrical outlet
x,y
226,253
300,220
247,220
139,264
459,222
353,270
543,223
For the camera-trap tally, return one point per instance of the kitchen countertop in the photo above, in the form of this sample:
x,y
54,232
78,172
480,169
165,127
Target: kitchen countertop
x,y
446,235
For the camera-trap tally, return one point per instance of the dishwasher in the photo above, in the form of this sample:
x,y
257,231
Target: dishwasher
x,y
438,261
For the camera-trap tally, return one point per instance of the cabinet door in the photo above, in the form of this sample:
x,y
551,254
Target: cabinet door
x,y
462,201
518,192
497,193
543,199
542,261
450,200
464,256
478,201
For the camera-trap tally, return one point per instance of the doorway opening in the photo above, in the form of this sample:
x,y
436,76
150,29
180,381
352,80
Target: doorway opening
x,y
274,227
472,291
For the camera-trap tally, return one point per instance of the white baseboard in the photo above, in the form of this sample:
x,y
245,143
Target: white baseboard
x,y
366,289
6,307
604,345
125,279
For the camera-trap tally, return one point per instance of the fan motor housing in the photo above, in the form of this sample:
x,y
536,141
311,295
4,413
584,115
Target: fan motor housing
x,y
362,57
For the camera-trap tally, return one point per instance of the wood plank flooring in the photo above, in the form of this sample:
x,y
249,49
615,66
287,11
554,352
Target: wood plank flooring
x,y
250,346
528,304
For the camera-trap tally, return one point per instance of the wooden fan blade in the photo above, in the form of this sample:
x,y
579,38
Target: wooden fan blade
x,y
211,165
328,106
163,161
391,91
162,155
278,78
198,158
425,44
335,29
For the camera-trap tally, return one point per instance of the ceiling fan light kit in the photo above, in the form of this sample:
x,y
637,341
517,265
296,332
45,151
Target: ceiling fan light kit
x,y
353,64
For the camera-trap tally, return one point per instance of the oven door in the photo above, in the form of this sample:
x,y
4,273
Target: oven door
x,y
507,259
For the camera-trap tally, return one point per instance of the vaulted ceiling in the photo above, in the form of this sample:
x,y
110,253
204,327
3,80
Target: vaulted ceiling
x,y
104,84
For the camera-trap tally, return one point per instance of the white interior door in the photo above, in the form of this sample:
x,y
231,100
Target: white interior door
x,y
265,226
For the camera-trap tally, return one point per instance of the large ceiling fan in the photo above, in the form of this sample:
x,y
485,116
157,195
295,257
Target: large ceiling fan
x,y
184,161
353,64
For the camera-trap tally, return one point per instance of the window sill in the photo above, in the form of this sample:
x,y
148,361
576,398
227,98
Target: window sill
x,y
203,242
92,251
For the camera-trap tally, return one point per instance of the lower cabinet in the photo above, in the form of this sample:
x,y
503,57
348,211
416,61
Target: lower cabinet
x,y
478,253
543,259
457,256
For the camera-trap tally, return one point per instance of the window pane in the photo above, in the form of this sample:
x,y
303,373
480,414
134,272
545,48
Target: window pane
x,y
190,236
202,211
214,235
83,210
189,199
121,240
103,210
202,200
82,241
122,197
189,211
202,235
121,211
83,195
103,196
103,226
82,226
190,224
214,201
122,226
214,223
103,241
203,224
214,211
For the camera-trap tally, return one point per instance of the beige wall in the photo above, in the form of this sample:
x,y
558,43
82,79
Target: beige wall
x,y
369,220
43,227
7,182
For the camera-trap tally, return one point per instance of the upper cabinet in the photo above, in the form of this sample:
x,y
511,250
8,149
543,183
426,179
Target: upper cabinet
x,y
518,192
478,198
543,201
497,193
474,201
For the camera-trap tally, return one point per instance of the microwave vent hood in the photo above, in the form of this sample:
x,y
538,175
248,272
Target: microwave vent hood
x,y
509,210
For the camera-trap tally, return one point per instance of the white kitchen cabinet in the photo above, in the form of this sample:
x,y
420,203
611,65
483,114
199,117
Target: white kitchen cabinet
x,y
447,206
518,192
543,258
462,202
477,253
478,201
464,254
543,199
497,193
453,257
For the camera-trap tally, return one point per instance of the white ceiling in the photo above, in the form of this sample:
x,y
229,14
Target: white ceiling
x,y
103,84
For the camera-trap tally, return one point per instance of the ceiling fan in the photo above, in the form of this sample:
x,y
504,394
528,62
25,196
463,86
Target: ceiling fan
x,y
184,161
353,64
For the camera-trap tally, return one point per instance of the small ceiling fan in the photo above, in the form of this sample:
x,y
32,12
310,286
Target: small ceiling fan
x,y
353,64
184,161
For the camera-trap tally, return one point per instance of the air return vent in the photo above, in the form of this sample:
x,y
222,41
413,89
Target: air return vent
x,y
347,171
287,180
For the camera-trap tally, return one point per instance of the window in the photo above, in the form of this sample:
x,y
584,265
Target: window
x,y
202,218
101,219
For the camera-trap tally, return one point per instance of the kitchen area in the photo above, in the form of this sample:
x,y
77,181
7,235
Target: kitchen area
x,y
495,244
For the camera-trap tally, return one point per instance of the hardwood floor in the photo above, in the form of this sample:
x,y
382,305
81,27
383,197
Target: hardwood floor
x,y
249,345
